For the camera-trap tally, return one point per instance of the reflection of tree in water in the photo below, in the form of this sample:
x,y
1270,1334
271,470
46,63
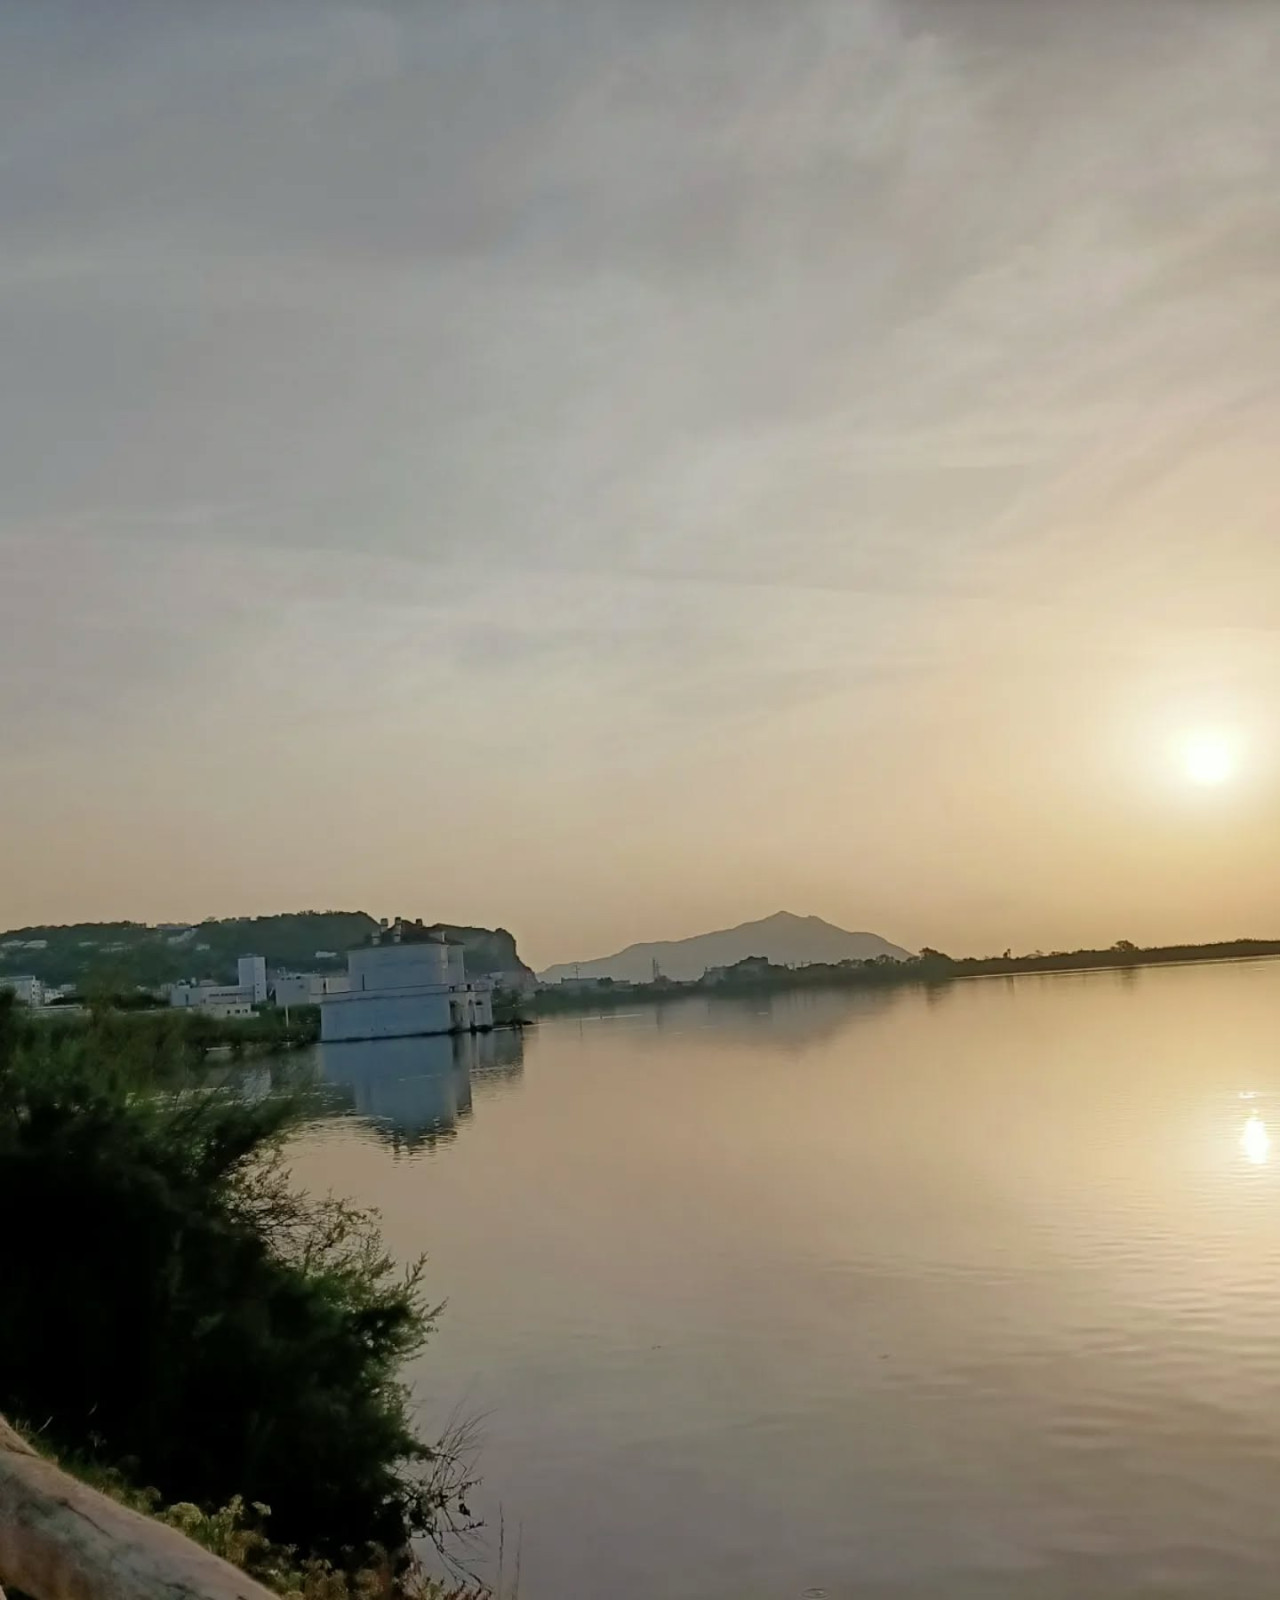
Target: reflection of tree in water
x,y
414,1093
794,1020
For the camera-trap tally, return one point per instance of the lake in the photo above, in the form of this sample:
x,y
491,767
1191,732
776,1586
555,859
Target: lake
x,y
969,1292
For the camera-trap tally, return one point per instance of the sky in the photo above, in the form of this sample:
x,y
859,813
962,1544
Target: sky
x,y
613,468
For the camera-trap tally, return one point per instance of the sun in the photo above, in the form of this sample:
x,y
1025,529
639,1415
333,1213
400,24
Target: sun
x,y
1208,759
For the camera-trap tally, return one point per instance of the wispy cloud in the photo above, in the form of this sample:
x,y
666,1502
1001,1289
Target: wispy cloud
x,y
630,376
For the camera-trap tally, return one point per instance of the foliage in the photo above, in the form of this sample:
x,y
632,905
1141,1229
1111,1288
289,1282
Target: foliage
x,y
751,977
174,1309
121,956
238,1533
487,950
511,1009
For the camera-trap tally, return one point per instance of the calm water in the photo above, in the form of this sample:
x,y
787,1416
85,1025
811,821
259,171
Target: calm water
x,y
966,1294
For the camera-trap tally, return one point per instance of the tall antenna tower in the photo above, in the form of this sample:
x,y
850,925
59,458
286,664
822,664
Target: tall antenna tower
x,y
657,970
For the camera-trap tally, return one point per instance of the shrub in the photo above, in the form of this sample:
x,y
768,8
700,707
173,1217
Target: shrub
x,y
173,1309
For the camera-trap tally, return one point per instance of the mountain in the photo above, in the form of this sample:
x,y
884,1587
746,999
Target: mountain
x,y
787,941
119,955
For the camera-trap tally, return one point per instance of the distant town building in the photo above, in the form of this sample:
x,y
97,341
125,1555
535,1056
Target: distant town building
x,y
27,990
252,971
214,999
225,1000
306,988
408,980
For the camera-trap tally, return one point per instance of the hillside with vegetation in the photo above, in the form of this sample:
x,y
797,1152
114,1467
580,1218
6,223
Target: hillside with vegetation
x,y
756,975
784,939
120,956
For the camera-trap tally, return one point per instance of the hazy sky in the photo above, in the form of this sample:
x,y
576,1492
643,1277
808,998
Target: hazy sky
x,y
616,469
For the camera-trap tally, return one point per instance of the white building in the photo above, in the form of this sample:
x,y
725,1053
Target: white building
x,y
214,999
28,990
252,972
306,988
226,1000
407,981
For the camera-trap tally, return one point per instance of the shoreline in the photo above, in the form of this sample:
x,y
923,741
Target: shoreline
x,y
919,973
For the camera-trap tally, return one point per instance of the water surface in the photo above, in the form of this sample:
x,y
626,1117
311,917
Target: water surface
x,y
970,1292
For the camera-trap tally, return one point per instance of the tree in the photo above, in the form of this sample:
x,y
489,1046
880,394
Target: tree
x,y
174,1309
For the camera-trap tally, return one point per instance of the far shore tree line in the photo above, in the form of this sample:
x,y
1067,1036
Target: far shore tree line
x,y
756,975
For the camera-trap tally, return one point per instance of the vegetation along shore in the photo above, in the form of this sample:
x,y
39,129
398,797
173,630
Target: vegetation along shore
x,y
183,1327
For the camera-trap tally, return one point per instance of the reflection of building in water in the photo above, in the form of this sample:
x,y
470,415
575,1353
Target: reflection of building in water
x,y
416,1091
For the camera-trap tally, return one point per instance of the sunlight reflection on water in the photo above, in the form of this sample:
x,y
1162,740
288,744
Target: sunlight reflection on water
x,y
1255,1141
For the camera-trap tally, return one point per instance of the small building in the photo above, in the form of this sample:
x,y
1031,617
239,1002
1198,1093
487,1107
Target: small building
x,y
252,972
226,1001
306,988
221,1000
27,989
408,980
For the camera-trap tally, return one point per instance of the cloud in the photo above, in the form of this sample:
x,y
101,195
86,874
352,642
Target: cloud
x,y
628,378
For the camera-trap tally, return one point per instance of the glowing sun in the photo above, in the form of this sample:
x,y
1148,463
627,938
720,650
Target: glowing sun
x,y
1208,759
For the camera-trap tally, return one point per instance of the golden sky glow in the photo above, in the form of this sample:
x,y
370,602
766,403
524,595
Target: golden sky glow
x,y
619,480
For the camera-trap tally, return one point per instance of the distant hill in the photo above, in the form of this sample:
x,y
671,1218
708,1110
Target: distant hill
x,y
121,955
488,950
786,940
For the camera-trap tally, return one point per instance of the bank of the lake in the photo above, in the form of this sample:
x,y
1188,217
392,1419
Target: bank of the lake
x,y
756,977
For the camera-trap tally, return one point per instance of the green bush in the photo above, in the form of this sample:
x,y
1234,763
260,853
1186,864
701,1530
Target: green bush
x,y
237,1533
174,1310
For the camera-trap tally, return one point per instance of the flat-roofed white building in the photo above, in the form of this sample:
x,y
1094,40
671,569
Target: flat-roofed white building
x,y
407,981
221,1000
252,975
306,988
225,1000
27,989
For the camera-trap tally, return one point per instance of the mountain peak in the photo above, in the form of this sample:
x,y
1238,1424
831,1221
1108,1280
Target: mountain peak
x,y
784,938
